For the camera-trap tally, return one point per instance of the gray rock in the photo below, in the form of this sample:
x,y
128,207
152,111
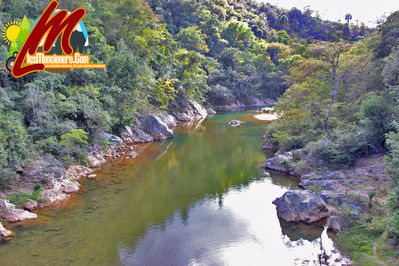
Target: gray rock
x,y
45,170
157,129
30,205
168,120
71,187
192,111
301,206
211,111
235,123
4,232
110,138
221,96
134,135
96,160
12,214
280,162
336,223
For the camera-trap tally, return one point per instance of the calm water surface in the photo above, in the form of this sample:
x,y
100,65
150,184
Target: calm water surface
x,y
199,199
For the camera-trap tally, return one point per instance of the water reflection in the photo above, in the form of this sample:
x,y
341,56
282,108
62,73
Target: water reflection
x,y
198,199
243,231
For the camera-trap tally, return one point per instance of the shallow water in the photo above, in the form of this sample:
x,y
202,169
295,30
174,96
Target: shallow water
x,y
198,199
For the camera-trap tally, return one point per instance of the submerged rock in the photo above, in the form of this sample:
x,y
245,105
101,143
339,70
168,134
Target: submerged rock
x,y
157,129
235,123
4,232
301,206
12,214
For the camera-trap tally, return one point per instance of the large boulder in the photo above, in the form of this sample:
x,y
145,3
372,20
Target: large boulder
x,y
336,223
12,214
221,96
134,135
157,129
192,111
45,170
168,120
301,206
280,162
30,205
4,232
115,140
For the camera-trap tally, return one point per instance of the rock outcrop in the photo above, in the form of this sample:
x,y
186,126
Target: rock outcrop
x,y
45,170
12,214
301,206
169,120
336,223
280,162
221,96
4,232
192,112
268,145
115,140
134,135
157,129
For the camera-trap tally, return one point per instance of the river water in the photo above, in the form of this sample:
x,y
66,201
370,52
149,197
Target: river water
x,y
198,199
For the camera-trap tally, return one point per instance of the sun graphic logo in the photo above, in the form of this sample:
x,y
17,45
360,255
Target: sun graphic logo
x,y
11,31
14,34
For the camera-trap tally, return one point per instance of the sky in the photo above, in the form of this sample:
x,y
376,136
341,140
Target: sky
x,y
366,11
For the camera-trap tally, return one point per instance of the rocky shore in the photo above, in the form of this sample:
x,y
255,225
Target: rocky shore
x,y
340,195
58,183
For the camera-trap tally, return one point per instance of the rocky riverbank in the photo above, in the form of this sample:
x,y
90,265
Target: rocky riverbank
x,y
346,193
58,182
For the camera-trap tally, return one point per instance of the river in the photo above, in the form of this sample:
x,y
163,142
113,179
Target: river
x,y
198,199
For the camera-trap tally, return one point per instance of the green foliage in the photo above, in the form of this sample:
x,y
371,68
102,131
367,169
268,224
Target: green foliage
x,y
19,198
77,137
392,166
342,148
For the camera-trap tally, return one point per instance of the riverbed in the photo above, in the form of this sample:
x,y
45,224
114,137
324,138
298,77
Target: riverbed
x,y
198,199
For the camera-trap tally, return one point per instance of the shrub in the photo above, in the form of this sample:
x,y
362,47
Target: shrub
x,y
342,148
19,198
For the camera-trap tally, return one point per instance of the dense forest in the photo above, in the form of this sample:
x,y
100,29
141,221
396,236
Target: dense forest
x,y
336,83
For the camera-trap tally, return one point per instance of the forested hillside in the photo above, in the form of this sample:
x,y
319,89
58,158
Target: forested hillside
x,y
158,55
